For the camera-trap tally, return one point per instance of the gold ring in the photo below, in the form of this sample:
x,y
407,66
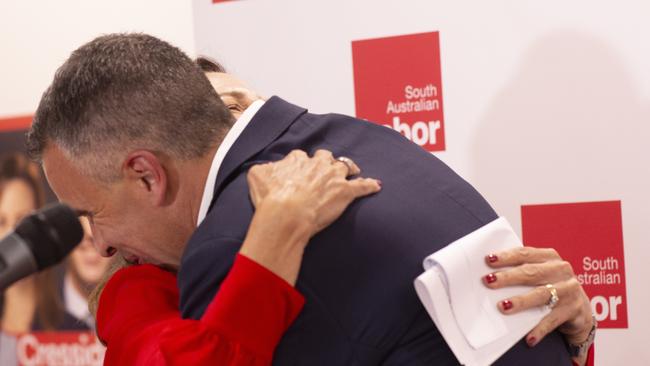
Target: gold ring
x,y
347,161
554,299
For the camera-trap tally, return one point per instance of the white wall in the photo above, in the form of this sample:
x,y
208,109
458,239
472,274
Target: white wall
x,y
37,36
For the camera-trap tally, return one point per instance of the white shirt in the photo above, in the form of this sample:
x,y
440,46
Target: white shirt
x,y
75,303
223,149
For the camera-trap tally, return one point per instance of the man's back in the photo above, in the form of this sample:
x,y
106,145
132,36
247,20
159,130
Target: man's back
x,y
357,275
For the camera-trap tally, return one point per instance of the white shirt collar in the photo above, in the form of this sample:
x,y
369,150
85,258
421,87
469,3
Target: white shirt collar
x,y
226,144
75,303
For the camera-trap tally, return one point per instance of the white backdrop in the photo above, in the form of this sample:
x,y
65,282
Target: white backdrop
x,y
545,102
36,37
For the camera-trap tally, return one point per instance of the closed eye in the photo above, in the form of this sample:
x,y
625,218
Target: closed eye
x,y
235,107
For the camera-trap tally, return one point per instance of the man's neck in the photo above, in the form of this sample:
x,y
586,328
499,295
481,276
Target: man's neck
x,y
186,182
219,156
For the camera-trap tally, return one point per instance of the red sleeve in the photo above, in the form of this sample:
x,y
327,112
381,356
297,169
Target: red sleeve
x,y
138,318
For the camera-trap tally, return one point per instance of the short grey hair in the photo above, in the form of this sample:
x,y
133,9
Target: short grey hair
x,y
127,91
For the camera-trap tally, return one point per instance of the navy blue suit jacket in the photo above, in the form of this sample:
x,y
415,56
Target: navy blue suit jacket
x,y
357,275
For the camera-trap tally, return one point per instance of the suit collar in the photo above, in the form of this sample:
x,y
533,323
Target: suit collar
x,y
275,116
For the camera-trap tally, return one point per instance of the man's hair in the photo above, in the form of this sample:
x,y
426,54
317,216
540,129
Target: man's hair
x,y
127,91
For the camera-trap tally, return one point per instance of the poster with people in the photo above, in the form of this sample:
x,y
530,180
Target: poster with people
x,y
44,317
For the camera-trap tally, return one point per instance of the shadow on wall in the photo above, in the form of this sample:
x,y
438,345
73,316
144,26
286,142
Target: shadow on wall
x,y
569,126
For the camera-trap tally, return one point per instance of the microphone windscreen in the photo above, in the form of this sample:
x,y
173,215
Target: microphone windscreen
x,y
51,233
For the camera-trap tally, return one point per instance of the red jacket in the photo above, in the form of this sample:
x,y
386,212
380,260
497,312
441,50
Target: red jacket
x,y
138,318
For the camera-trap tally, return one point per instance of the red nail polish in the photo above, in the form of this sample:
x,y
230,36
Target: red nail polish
x,y
379,182
531,341
506,304
492,258
489,278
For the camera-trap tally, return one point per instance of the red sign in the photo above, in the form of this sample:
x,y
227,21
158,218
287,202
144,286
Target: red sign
x,y
590,237
59,348
15,123
397,83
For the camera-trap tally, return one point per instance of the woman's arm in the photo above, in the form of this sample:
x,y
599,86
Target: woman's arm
x,y
139,319
295,198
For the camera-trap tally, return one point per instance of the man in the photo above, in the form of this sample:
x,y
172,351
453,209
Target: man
x,y
133,134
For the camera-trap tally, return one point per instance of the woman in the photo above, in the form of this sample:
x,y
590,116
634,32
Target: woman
x,y
138,317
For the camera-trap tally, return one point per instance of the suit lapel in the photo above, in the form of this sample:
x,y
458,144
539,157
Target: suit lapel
x,y
275,116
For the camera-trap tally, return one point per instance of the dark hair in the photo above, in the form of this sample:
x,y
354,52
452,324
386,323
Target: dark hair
x,y
208,64
131,90
17,166
49,305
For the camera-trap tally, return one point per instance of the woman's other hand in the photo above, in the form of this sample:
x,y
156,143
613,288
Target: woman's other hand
x,y
540,267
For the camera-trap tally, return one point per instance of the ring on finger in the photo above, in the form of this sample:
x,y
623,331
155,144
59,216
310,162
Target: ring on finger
x,y
554,299
347,161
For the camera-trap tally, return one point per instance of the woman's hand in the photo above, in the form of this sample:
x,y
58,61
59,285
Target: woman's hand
x,y
538,267
315,190
295,198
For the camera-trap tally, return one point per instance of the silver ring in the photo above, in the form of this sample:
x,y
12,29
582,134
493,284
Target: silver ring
x,y
554,299
347,161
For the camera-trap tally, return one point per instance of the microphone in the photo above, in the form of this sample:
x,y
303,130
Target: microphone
x,y
40,240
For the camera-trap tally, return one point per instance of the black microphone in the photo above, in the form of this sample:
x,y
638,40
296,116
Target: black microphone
x,y
40,240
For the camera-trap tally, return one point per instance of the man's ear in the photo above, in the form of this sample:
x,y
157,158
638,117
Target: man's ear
x,y
146,171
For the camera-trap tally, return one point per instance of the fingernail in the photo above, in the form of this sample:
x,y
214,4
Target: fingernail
x,y
506,304
531,341
379,182
489,278
492,258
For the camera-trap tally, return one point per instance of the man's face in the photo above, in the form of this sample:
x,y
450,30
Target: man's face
x,y
85,263
121,216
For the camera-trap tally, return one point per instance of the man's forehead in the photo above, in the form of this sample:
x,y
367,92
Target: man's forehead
x,y
64,177
55,161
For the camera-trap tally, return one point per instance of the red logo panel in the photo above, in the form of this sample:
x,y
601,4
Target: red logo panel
x,y
397,83
590,237
59,348
15,123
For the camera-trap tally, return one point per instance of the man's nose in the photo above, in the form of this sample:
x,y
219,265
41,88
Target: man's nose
x,y
106,250
102,246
